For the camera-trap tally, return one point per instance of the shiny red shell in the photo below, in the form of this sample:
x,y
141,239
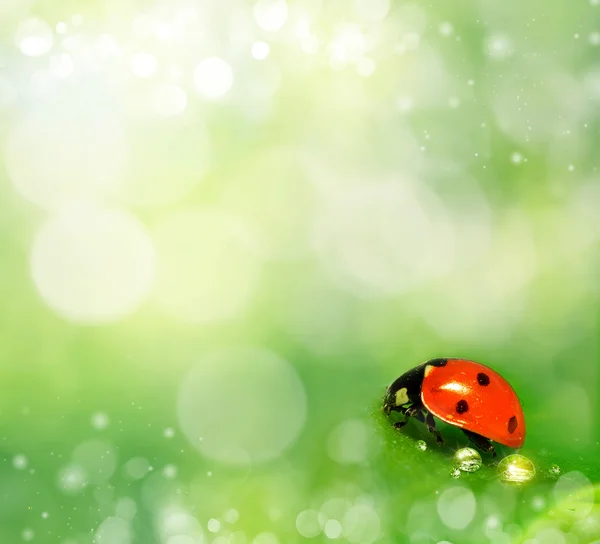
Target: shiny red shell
x,y
472,396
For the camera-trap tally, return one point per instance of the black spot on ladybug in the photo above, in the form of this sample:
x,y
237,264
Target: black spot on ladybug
x,y
483,379
512,424
462,406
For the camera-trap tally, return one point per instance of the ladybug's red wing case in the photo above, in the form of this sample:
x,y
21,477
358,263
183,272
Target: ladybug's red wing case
x,y
474,397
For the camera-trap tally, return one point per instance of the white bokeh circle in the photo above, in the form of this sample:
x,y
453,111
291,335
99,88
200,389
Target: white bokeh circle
x,y
176,525
34,37
206,271
384,238
349,442
72,479
271,15
456,507
114,530
213,78
92,265
242,406
276,191
168,158
361,524
56,156
97,459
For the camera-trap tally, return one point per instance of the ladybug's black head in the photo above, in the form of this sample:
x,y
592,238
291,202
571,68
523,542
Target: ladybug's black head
x,y
406,389
389,400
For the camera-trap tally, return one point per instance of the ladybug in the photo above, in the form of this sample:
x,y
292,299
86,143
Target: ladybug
x,y
464,394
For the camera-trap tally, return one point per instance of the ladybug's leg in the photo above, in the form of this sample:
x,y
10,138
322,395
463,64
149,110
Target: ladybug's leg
x,y
411,411
481,442
431,427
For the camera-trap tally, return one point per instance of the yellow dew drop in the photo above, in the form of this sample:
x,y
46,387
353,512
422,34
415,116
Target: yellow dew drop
x,y
516,469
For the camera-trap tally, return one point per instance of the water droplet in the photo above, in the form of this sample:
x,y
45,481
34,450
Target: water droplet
x,y
554,471
421,445
455,473
467,460
516,469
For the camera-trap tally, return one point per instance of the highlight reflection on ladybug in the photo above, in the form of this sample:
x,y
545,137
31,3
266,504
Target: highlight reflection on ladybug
x,y
463,393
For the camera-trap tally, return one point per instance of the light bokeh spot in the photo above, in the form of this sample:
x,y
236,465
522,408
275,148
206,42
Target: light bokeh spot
x,y
206,269
213,525
276,192
93,265
34,37
384,238
114,530
72,479
333,529
309,523
169,100
372,10
550,535
268,388
499,47
57,154
144,65
126,508
100,421
271,15
168,158
348,443
136,468
97,458
574,495
176,525
20,461
265,538
361,524
213,78
62,65
456,507
170,472
260,50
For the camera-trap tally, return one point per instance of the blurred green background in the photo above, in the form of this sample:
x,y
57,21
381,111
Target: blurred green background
x,y
228,226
